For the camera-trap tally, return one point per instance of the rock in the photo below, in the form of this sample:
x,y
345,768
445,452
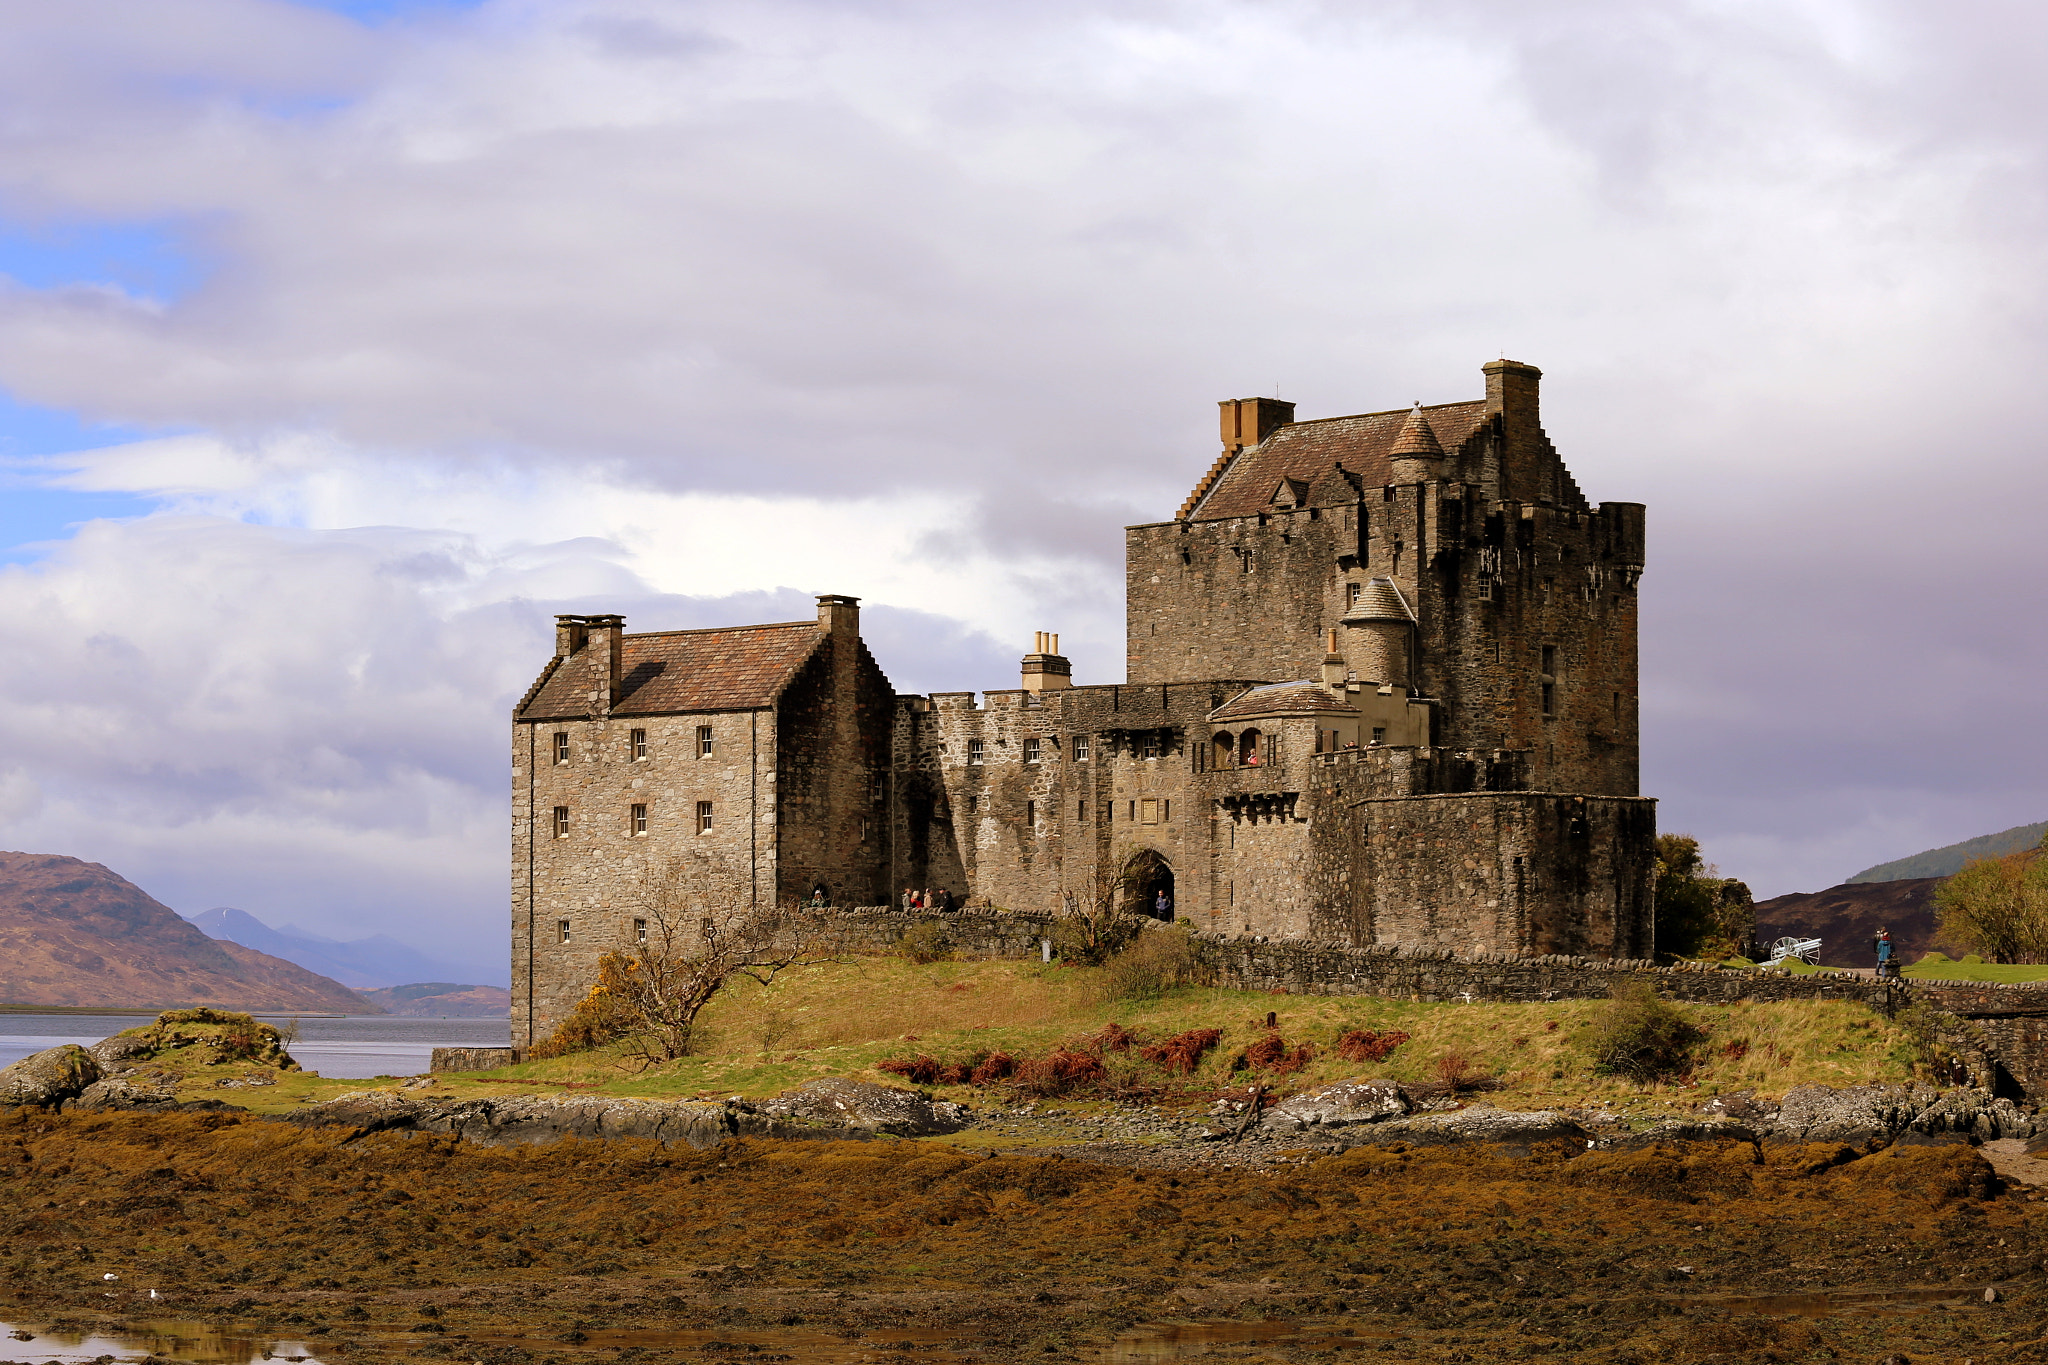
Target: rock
x,y
119,1051
1475,1125
1869,1115
870,1110
862,1104
1337,1106
120,1093
51,1076
1684,1130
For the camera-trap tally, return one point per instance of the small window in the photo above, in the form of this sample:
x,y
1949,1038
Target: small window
x,y
1149,745
1379,734
1550,699
703,817
1080,748
639,931
973,803
1148,811
561,746
1081,812
703,741
1031,749
636,820
562,930
1165,812
1352,591
867,829
1132,814
1549,659
974,751
561,822
1617,706
1031,813
639,743
878,787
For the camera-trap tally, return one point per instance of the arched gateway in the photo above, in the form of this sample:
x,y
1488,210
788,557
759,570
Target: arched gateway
x,y
1146,877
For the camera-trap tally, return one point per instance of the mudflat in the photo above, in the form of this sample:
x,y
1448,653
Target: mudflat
x,y
389,1246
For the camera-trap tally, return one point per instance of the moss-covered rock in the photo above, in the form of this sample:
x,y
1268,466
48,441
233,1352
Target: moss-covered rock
x,y
48,1077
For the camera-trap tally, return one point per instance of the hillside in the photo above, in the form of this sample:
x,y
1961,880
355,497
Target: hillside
x,y
443,1000
75,933
376,961
1845,918
1949,859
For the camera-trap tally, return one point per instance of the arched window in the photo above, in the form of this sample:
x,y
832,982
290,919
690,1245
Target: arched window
x,y
1225,749
1248,749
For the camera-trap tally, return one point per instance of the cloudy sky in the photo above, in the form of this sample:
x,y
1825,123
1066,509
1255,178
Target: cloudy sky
x,y
342,344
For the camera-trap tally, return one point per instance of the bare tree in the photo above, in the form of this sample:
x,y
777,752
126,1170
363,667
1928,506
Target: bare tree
x,y
1097,923
697,934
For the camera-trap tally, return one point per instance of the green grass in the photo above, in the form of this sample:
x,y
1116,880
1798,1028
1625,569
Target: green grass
x,y
1941,967
842,1018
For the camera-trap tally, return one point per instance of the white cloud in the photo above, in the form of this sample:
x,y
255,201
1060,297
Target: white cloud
x,y
639,302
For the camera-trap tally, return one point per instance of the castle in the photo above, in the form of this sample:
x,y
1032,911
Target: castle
x,y
1381,690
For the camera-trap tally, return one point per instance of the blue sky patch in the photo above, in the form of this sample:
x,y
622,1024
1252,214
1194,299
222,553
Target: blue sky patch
x,y
150,260
377,11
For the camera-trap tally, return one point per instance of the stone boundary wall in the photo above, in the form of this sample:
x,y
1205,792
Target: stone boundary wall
x,y
1997,1033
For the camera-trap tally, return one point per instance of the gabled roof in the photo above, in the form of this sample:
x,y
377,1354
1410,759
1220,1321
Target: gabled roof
x,y
1309,450
738,668
1282,699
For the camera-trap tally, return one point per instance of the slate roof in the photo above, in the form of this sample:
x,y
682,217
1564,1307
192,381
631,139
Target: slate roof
x,y
737,668
1310,450
1281,699
1380,600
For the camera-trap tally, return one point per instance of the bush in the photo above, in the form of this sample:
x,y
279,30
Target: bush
x,y
604,1016
1155,962
1642,1037
924,943
1272,1055
1183,1052
1091,940
1364,1045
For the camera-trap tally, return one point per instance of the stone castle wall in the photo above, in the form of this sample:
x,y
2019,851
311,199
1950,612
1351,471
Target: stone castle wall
x,y
601,876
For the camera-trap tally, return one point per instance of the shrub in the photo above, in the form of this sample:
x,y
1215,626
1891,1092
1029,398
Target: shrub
x,y
924,942
1641,1037
1453,1069
603,1016
1183,1052
1271,1054
1059,1073
1364,1045
1155,961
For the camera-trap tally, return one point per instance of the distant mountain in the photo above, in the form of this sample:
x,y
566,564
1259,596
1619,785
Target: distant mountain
x,y
444,1000
1947,861
1845,918
364,962
73,933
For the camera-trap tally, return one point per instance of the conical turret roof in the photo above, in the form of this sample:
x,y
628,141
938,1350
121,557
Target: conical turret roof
x,y
1379,600
1417,439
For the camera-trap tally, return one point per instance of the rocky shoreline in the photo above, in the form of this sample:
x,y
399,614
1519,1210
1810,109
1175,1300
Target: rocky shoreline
x,y
109,1077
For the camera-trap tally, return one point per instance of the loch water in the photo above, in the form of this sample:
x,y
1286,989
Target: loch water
x,y
351,1046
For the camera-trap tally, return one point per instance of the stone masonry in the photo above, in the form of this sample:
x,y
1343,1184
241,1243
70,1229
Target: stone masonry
x,y
1381,693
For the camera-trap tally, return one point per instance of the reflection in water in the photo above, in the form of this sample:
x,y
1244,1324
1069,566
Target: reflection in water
x,y
200,1342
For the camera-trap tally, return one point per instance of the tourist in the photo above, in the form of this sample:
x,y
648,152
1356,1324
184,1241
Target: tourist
x,y
1882,945
908,897
1163,906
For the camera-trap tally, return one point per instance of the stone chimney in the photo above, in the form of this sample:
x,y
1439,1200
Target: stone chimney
x,y
1511,391
1044,668
1248,421
839,615
593,645
1334,667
